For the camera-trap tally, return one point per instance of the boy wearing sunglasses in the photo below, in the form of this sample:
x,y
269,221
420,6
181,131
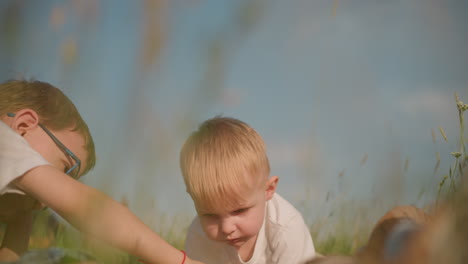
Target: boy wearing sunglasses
x,y
45,146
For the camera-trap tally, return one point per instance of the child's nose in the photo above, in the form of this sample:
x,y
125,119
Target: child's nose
x,y
227,226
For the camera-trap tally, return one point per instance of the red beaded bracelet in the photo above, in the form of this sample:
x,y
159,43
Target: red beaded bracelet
x,y
185,256
183,260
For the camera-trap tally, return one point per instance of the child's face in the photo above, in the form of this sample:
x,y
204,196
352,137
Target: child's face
x,y
43,143
238,226
26,123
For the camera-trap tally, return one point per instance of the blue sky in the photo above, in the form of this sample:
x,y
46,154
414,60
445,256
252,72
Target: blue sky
x,y
323,88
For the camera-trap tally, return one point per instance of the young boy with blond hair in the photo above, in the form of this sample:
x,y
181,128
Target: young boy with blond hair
x,y
240,218
45,146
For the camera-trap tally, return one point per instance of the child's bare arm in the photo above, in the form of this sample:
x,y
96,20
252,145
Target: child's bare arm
x,y
8,255
95,213
16,237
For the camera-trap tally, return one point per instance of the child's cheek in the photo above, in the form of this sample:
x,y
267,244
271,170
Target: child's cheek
x,y
255,220
212,232
210,228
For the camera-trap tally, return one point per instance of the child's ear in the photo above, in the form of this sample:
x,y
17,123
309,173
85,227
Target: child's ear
x,y
271,184
25,120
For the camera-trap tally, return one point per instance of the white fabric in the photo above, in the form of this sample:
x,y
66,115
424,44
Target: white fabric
x,y
16,158
283,239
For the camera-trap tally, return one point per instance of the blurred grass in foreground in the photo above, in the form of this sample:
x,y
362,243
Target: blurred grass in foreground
x,y
348,234
49,232
342,232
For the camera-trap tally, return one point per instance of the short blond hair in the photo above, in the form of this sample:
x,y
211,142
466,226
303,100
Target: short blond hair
x,y
224,158
56,111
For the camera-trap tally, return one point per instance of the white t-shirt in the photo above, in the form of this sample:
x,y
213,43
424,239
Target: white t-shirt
x,y
284,238
16,158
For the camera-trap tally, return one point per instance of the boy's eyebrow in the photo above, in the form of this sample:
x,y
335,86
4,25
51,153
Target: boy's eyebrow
x,y
208,211
244,204
230,211
207,214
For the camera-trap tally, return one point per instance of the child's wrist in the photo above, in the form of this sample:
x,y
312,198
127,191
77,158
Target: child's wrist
x,y
185,260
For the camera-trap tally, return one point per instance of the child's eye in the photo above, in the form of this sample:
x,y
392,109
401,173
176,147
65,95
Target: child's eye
x,y
209,215
240,211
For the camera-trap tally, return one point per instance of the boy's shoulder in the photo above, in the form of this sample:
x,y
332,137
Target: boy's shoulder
x,y
281,213
8,137
286,232
19,158
3,127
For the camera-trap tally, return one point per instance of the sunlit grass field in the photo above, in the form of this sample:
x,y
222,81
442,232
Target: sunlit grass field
x,y
342,233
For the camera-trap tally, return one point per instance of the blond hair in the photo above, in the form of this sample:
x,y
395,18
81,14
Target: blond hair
x,y
55,110
224,158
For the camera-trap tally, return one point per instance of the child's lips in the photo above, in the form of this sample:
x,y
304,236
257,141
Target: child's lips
x,y
234,241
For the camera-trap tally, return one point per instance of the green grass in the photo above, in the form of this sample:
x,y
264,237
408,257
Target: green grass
x,y
341,242
343,233
455,173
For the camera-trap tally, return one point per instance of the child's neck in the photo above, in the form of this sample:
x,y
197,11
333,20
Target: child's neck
x,y
246,251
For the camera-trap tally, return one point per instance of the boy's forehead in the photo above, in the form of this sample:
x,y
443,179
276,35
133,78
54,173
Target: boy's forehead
x,y
228,203
219,208
228,195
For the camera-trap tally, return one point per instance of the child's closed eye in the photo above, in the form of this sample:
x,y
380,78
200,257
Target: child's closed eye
x,y
208,215
240,211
